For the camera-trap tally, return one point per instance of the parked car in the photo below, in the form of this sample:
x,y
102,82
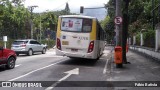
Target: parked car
x,y
28,46
7,58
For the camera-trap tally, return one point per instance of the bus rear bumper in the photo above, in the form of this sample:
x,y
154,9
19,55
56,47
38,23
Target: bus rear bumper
x,y
77,55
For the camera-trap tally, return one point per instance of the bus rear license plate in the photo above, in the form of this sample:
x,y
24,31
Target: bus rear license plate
x,y
65,43
74,50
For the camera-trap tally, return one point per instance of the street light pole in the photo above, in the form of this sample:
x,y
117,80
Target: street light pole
x,y
31,10
153,14
40,28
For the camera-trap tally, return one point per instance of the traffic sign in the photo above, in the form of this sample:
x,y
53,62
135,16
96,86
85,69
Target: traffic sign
x,y
118,20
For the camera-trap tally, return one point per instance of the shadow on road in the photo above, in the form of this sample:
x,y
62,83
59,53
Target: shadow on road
x,y
25,55
3,68
80,62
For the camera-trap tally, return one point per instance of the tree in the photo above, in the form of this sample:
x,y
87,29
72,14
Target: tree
x,y
108,25
125,30
13,19
108,22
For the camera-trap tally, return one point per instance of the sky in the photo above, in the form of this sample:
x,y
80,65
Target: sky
x,y
74,5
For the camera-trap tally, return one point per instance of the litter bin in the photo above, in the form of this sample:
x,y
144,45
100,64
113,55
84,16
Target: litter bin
x,y
118,56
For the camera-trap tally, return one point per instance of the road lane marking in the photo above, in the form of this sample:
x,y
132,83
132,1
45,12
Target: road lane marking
x,y
105,67
18,65
69,73
51,56
35,71
49,88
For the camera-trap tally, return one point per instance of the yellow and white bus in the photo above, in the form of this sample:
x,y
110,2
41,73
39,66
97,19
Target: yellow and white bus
x,y
79,36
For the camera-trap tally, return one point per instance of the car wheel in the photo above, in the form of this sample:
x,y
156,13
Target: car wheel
x,y
30,52
11,63
43,51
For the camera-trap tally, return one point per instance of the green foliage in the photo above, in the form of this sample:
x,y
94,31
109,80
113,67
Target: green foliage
x,y
140,15
149,38
50,43
8,43
108,23
138,38
13,19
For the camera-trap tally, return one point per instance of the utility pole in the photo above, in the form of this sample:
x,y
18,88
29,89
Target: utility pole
x,y
118,27
159,12
40,28
118,24
153,14
31,10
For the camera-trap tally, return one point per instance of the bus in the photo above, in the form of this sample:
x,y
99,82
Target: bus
x,y
79,36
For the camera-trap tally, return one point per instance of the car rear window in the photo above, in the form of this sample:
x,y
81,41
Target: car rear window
x,y
19,42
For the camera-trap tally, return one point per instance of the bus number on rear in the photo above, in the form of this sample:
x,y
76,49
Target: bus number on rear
x,y
83,38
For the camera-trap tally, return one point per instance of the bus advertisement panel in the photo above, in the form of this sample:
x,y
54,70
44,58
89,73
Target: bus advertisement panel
x,y
71,24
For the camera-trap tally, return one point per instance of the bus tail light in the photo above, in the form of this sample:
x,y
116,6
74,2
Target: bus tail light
x,y
58,44
91,46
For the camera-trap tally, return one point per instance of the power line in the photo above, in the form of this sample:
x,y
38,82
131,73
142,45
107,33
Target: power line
x,y
61,5
95,8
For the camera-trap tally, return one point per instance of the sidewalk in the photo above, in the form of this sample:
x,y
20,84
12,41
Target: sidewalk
x,y
141,69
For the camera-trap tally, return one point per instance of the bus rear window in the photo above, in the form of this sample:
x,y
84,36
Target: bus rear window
x,y
76,24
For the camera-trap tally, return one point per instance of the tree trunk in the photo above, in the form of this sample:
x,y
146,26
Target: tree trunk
x,y
125,31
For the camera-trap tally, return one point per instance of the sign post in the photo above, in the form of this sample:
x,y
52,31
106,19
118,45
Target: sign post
x,y
4,40
118,20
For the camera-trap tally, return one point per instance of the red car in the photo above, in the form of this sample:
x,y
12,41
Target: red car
x,y
8,58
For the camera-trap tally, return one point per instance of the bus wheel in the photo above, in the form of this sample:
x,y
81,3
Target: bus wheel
x,y
98,55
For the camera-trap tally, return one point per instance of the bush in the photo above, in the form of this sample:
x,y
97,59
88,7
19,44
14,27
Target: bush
x,y
50,43
8,43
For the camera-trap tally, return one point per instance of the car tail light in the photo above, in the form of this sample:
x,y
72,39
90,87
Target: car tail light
x,y
23,45
58,44
91,46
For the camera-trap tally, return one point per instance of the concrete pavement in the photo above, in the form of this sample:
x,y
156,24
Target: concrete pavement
x,y
142,68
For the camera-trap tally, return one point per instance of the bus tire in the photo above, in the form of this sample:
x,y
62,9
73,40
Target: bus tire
x,y
98,55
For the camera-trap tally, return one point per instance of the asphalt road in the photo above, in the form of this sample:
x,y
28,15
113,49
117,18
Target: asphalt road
x,y
51,71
